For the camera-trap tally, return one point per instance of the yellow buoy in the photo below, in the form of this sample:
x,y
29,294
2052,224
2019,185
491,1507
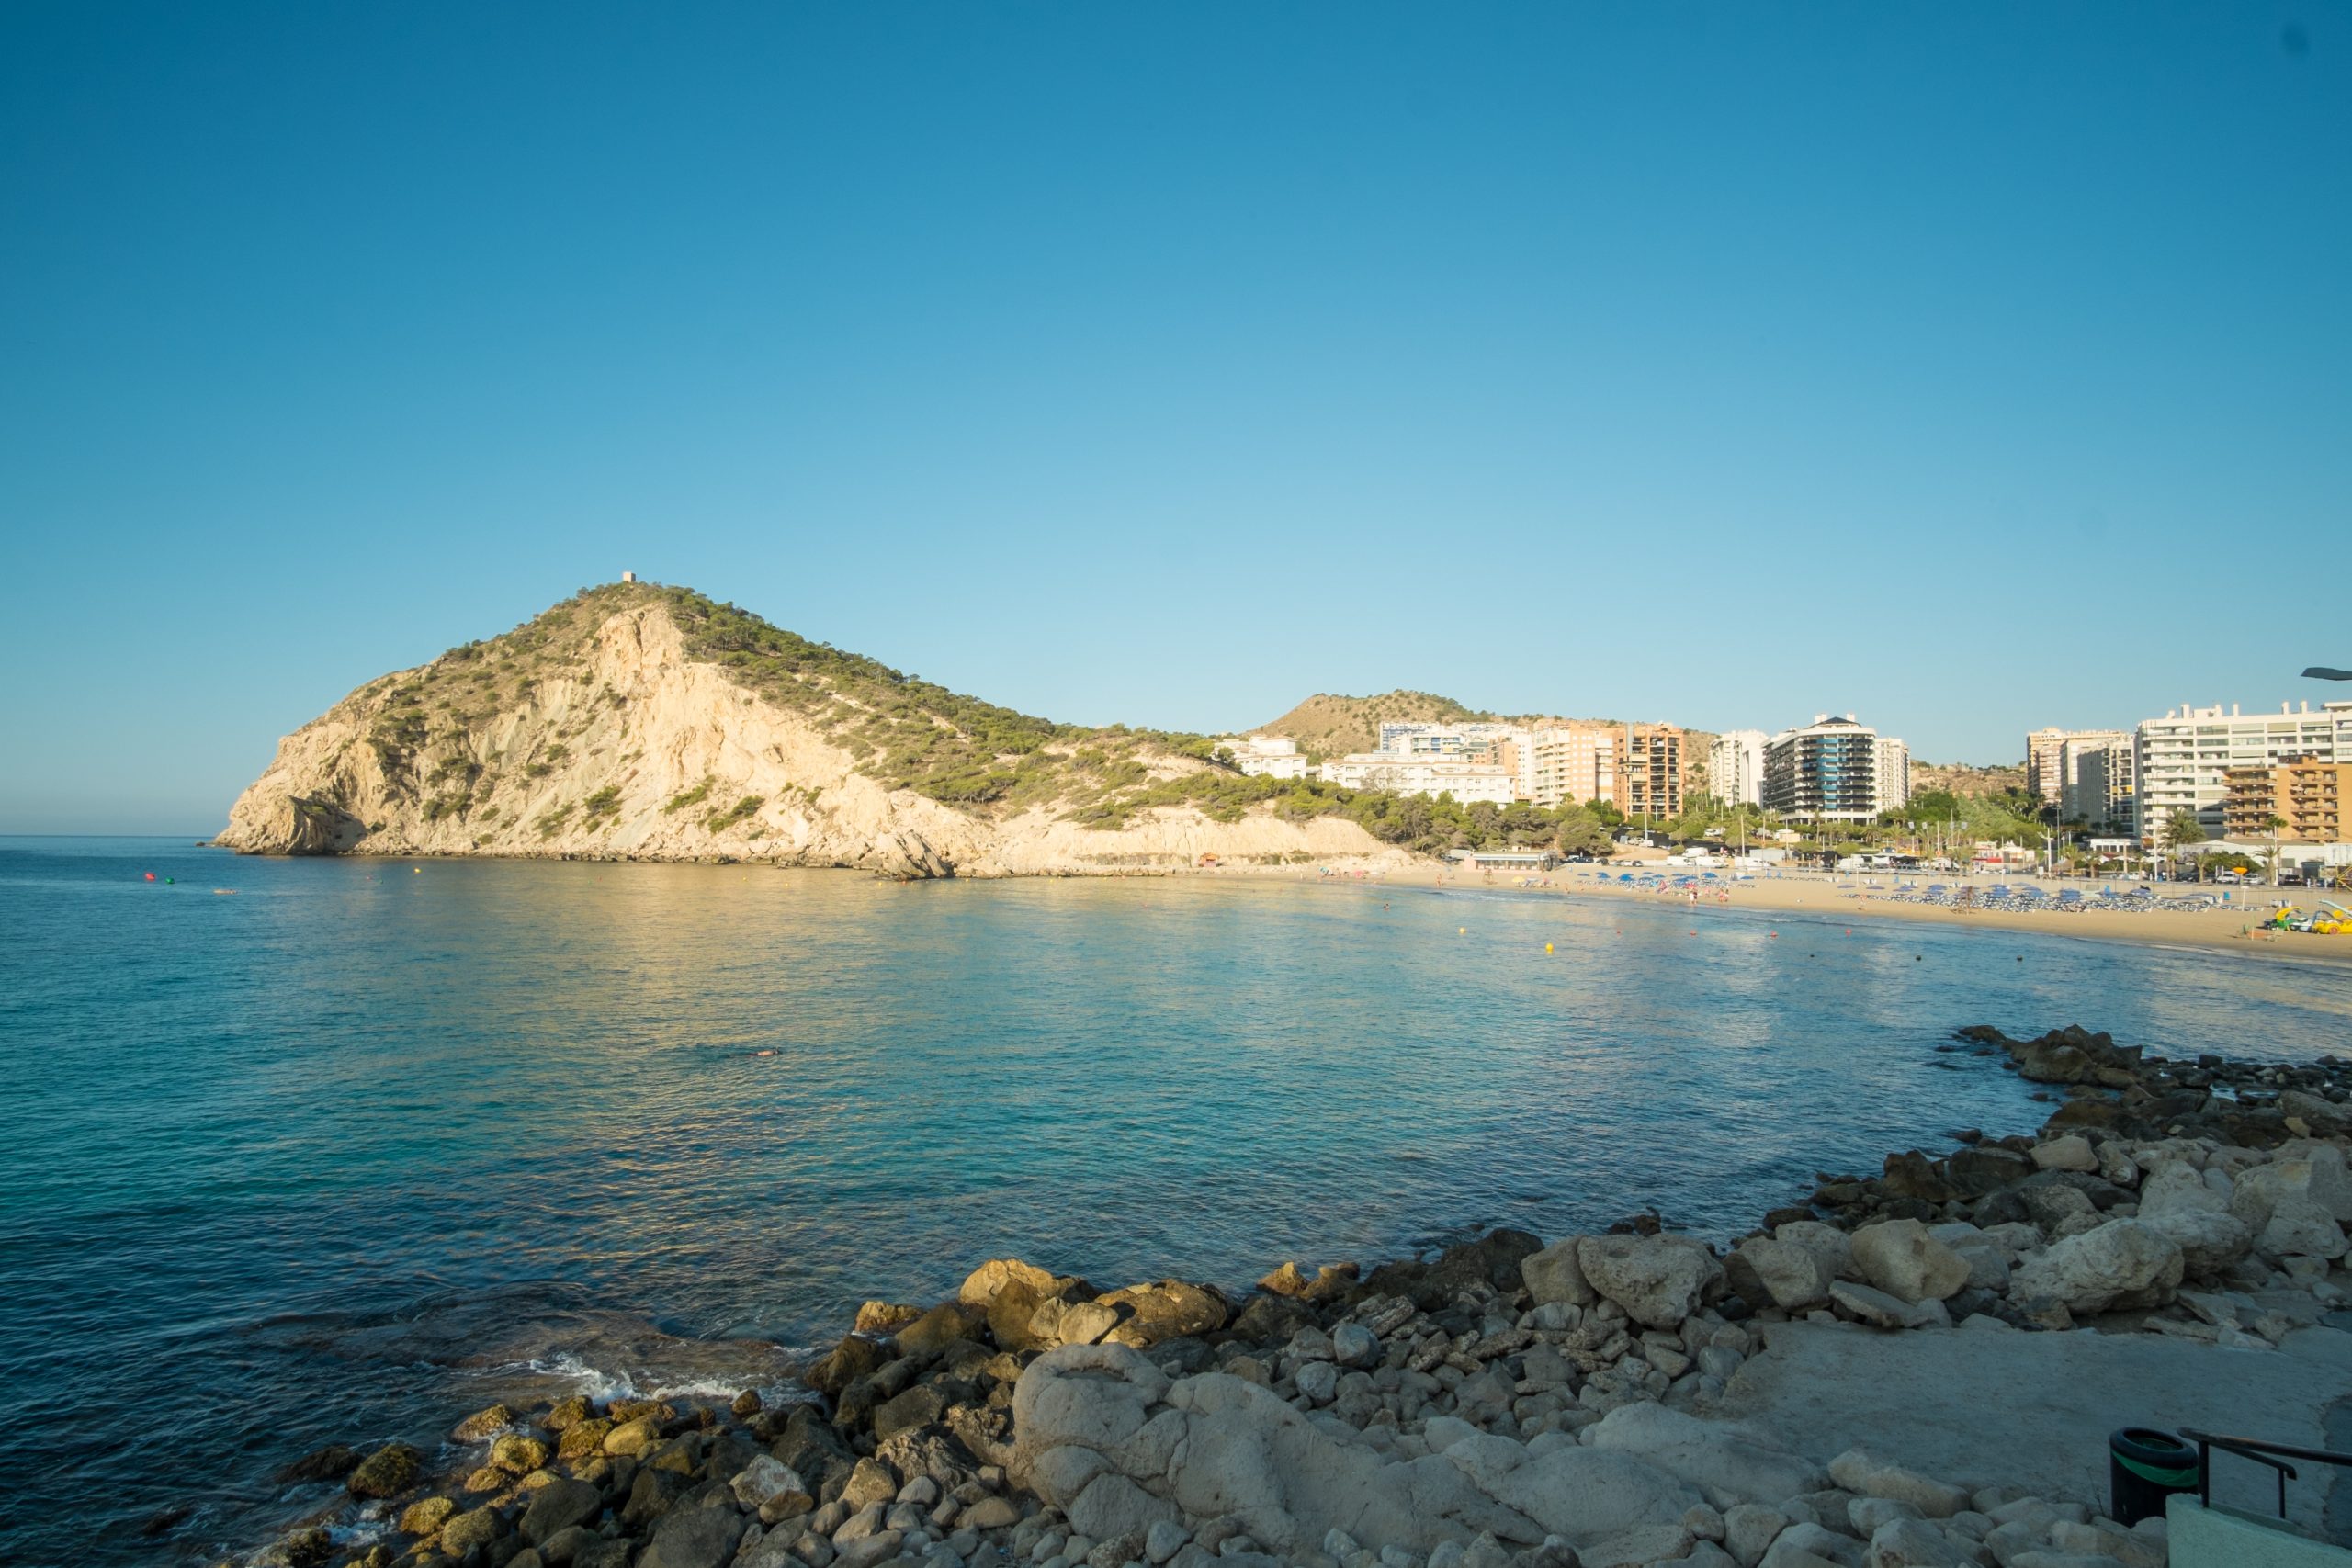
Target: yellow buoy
x,y
1547,947
1462,930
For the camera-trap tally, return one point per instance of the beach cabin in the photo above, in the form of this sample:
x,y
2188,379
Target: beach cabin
x,y
1503,860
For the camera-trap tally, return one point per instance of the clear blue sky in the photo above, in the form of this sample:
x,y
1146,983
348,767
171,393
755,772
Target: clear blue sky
x,y
1969,367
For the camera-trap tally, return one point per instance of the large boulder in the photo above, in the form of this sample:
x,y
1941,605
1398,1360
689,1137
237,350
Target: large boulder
x,y
2121,1264
518,1454
1857,1472
2044,1061
559,1505
1834,1247
470,1531
2300,1227
2320,1115
2073,1054
1094,1397
1767,1271
2312,1170
1290,1282
1658,1279
1172,1309
1555,1275
2211,1242
855,1357
1107,1436
1491,1260
1112,1505
2070,1151
1729,1467
1012,1311
1878,1310
1911,1174
940,1327
769,1484
1290,1482
390,1469
1900,1257
1583,1494
2174,1185
1058,1322
1986,1167
1011,1293
2180,1201
693,1538
428,1515
1988,1260
982,1285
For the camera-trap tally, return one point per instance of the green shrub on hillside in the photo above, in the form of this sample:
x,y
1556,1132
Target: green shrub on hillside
x,y
746,807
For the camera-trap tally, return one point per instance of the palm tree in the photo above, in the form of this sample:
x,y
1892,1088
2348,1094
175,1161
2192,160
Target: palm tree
x,y
2181,829
2277,825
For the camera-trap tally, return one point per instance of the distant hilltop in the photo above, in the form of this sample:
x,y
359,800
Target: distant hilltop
x,y
1966,780
648,722
1325,724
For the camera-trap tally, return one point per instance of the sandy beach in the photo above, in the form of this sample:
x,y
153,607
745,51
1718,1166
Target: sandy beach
x,y
2228,927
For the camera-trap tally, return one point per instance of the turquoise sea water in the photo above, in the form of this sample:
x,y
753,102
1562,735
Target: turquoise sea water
x,y
355,1148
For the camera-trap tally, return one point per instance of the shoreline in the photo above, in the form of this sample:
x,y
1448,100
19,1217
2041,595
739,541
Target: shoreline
x,y
1831,899
2179,1209
2226,929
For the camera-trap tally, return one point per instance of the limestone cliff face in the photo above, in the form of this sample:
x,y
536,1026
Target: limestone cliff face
x,y
622,744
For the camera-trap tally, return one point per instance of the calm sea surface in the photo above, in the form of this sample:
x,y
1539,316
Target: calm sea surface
x,y
358,1147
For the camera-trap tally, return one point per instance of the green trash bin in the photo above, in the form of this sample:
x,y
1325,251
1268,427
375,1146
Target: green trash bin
x,y
2146,1466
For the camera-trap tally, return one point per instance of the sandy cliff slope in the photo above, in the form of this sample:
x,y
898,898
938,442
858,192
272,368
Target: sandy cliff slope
x,y
600,731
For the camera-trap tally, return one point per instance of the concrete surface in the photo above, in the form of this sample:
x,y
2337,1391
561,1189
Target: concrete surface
x,y
1984,1406
2217,1537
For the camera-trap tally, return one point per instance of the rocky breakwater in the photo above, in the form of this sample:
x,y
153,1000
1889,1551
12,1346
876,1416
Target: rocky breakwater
x,y
1507,1404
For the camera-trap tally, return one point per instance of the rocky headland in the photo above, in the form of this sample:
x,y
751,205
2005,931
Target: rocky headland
x,y
637,721
1609,1400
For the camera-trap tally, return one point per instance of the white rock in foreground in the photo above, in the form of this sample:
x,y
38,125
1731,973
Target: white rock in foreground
x,y
1658,1279
2122,1263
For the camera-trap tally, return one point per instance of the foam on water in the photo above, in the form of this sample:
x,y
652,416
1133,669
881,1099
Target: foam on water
x,y
353,1154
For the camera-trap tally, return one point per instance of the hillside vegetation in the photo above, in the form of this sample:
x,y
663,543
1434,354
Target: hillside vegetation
x,y
1325,724
639,720
1966,780
914,734
962,752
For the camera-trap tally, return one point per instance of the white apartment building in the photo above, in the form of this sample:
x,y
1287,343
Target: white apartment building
x,y
2095,778
1893,774
1262,756
1736,767
2179,760
1823,771
2046,770
2042,748
1402,772
1444,739
1571,763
